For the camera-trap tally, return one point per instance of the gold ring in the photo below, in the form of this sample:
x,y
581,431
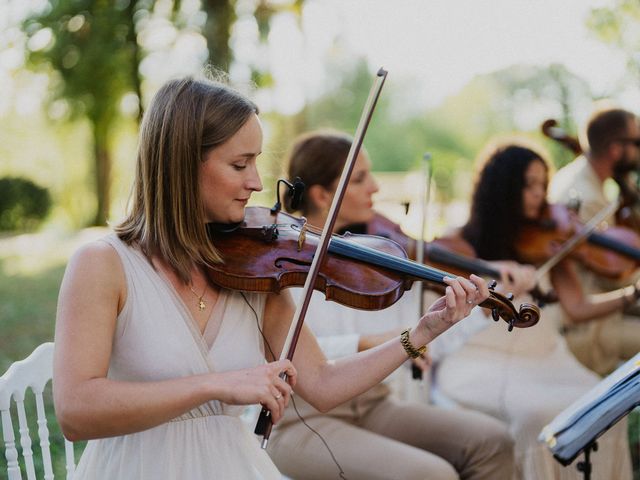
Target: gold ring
x,y
470,302
278,397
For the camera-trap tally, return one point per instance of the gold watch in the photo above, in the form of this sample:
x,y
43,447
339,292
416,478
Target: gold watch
x,y
412,351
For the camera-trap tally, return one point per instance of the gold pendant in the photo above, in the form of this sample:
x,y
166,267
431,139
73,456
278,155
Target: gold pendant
x,y
202,305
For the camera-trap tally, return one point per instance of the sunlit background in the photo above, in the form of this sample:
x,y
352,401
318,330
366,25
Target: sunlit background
x,y
460,72
75,76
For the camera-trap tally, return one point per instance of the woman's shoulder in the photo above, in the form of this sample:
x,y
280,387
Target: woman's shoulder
x,y
98,259
99,250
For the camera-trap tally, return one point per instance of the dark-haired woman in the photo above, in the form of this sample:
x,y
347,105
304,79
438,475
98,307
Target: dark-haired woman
x,y
526,378
153,363
373,436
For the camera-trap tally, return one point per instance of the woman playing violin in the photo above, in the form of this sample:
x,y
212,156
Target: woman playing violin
x,y
153,363
526,379
373,436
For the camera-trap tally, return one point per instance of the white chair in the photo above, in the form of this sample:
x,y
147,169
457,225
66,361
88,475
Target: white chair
x,y
33,372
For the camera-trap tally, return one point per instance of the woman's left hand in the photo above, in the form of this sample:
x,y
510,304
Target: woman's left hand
x,y
461,296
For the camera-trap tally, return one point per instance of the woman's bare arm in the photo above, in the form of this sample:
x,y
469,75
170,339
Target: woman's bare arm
x,y
325,384
90,405
581,307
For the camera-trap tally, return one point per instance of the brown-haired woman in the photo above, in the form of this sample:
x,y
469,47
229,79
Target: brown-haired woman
x,y
153,362
526,378
373,436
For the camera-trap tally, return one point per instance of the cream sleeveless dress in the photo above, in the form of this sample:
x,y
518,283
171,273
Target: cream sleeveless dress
x,y
156,338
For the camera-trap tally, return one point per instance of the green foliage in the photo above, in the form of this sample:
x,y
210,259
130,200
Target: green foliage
x,y
57,156
94,55
515,99
619,25
23,204
90,50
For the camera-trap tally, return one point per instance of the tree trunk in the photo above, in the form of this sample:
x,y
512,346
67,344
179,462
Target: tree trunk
x,y
132,41
102,158
217,30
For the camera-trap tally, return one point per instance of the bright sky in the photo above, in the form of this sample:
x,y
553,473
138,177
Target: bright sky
x,y
441,43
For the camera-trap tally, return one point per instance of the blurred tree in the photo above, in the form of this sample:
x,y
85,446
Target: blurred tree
x,y
515,99
387,139
221,18
91,48
619,25
221,15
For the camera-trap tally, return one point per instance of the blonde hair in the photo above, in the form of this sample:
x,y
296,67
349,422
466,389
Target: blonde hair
x,y
186,119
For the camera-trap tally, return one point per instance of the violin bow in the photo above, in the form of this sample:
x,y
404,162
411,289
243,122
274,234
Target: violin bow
x,y
425,193
570,244
264,424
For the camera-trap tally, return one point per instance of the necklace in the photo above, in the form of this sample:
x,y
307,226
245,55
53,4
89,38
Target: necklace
x,y
201,304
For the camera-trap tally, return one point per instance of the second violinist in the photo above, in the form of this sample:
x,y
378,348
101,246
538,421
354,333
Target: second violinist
x,y
526,380
374,436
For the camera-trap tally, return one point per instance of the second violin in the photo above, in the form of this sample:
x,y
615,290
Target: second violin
x,y
613,252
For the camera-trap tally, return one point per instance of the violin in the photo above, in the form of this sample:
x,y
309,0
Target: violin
x,y
446,253
270,251
613,253
451,253
628,214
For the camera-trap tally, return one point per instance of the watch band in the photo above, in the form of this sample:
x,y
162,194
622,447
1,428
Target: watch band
x,y
408,346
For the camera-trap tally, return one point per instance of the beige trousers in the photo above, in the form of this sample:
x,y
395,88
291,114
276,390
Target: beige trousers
x,y
377,437
601,345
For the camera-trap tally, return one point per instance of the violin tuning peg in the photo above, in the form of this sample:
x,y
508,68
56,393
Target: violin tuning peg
x,y
511,324
495,314
510,296
493,284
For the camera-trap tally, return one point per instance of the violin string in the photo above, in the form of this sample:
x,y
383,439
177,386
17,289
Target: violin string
x,y
341,473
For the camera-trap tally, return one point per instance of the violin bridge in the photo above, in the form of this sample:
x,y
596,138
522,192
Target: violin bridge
x,y
302,236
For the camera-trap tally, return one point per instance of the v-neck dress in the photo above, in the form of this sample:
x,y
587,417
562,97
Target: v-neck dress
x,y
157,338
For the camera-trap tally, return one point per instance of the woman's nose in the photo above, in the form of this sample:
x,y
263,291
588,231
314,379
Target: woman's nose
x,y
374,187
253,182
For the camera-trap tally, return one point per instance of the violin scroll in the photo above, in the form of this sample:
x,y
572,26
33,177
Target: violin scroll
x,y
551,129
501,307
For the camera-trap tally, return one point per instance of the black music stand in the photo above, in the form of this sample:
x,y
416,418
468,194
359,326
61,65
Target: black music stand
x,y
577,427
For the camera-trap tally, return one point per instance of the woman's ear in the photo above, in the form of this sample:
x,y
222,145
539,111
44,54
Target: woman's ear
x,y
320,197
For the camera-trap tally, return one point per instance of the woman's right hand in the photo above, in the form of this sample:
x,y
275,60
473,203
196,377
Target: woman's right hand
x,y
515,278
261,385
